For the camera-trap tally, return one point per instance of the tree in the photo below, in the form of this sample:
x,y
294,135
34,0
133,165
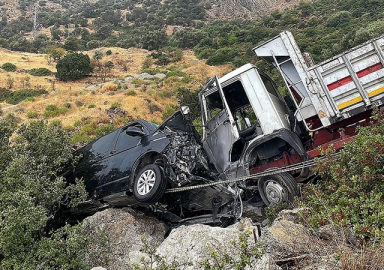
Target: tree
x,y
54,53
73,66
98,55
72,44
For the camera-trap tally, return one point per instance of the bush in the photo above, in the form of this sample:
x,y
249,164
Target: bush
x,y
53,111
32,115
104,130
4,94
40,72
109,52
9,67
73,66
131,93
115,105
352,192
20,95
31,194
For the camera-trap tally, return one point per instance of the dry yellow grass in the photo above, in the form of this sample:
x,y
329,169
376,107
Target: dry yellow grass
x,y
93,103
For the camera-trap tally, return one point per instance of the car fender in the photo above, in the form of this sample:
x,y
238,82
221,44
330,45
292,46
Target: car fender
x,y
152,150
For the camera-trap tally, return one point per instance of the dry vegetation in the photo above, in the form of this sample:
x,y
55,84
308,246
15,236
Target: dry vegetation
x,y
89,98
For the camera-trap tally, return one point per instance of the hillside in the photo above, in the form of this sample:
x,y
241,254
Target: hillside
x,y
212,9
85,102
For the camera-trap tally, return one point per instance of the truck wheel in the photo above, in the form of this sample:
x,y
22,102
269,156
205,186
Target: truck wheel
x,y
149,185
278,188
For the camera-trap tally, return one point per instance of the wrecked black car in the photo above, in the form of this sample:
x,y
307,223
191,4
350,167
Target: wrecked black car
x,y
137,164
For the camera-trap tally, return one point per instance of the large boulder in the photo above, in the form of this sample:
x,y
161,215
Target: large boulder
x,y
190,246
123,229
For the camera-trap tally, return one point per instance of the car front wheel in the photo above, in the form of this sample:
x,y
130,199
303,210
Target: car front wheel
x,y
149,185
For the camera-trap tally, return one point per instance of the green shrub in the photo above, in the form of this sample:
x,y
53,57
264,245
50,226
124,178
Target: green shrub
x,y
131,93
80,138
9,67
53,111
90,106
31,158
16,97
169,110
352,192
40,72
32,115
104,130
89,129
4,94
115,105
109,52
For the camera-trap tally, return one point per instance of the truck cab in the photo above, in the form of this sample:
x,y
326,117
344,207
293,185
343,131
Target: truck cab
x,y
246,126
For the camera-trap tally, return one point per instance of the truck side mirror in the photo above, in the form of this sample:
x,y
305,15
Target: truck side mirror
x,y
134,131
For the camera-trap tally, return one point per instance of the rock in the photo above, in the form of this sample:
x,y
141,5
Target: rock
x,y
341,235
194,244
144,76
99,268
327,232
291,215
266,262
123,228
160,76
285,238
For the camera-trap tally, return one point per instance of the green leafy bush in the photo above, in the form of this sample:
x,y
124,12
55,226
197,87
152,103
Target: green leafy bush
x,y
16,97
352,192
73,66
9,67
31,194
40,72
131,93
4,94
53,111
32,115
115,105
104,130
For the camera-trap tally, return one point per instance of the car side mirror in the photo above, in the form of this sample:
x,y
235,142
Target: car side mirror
x,y
185,110
134,131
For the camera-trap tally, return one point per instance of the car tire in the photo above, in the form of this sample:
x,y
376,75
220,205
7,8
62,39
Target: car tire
x,y
278,188
149,185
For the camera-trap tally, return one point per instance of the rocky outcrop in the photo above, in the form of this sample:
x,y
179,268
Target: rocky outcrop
x,y
285,244
123,229
194,244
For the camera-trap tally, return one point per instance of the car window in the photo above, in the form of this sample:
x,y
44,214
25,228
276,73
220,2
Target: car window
x,y
126,141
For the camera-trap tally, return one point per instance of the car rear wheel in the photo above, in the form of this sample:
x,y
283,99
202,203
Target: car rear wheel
x,y
149,185
278,188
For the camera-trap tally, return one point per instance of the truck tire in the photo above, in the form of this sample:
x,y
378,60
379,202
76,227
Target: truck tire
x,y
278,188
149,185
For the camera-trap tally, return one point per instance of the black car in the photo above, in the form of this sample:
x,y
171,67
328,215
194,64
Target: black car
x,y
137,163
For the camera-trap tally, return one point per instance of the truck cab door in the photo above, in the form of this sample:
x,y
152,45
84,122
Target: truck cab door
x,y
219,127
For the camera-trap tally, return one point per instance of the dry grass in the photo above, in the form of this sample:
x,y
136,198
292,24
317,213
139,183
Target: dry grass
x,y
367,258
95,102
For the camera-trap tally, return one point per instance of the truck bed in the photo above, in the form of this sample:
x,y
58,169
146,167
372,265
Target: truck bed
x,y
333,90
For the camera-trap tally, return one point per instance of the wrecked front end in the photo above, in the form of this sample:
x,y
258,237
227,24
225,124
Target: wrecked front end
x,y
186,167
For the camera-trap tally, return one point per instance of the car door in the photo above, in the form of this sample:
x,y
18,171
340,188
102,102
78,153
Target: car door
x,y
91,158
219,127
118,166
